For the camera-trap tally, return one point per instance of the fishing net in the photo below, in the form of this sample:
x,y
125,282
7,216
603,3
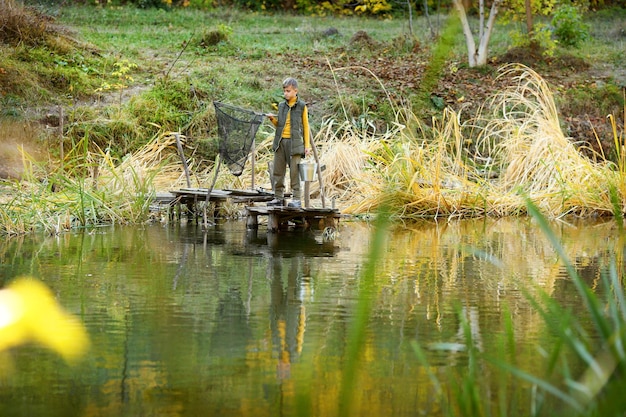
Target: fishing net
x,y
236,129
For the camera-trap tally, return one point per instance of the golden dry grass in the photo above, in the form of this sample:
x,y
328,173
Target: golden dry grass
x,y
534,156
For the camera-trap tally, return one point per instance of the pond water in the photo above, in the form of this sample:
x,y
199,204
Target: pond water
x,y
239,323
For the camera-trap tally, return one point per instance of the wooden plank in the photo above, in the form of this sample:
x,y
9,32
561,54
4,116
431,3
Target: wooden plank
x,y
250,193
265,210
249,200
164,197
278,217
202,192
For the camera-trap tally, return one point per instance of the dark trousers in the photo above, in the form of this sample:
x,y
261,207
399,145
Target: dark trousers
x,y
282,160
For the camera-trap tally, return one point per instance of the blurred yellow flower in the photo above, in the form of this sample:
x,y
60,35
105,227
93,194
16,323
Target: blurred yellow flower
x,y
29,313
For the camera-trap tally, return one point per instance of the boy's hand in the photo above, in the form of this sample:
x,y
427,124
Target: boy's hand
x,y
272,117
308,151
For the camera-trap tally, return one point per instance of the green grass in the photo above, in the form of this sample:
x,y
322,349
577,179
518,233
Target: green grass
x,y
261,50
578,360
248,66
245,69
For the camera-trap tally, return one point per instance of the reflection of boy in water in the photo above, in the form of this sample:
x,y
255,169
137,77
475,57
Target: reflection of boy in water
x,y
287,315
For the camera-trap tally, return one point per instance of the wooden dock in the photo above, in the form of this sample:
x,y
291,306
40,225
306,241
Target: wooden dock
x,y
283,218
187,199
279,218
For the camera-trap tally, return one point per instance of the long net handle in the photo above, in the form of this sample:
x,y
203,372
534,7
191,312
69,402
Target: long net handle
x,y
181,154
319,169
252,164
208,194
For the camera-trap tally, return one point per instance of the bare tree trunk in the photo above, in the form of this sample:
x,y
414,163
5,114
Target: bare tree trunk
x,y
469,37
481,24
483,47
529,19
478,57
408,4
433,32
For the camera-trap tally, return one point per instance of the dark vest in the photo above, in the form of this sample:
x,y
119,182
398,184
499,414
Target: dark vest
x,y
297,133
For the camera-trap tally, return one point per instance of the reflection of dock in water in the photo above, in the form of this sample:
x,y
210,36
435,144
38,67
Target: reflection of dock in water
x,y
282,218
239,241
292,243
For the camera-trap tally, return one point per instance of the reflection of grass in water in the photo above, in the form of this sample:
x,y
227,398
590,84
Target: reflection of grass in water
x,y
599,390
581,370
357,333
481,374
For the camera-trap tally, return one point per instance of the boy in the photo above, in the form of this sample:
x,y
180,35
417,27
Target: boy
x,y
291,142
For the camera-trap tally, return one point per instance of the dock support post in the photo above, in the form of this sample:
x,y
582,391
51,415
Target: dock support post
x,y
252,221
273,221
329,221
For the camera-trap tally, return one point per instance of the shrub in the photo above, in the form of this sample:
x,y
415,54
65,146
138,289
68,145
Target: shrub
x,y
569,27
541,38
215,36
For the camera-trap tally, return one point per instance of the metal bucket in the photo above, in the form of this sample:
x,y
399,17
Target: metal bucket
x,y
307,171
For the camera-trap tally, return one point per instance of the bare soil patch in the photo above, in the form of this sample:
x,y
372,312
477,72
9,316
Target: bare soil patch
x,y
466,89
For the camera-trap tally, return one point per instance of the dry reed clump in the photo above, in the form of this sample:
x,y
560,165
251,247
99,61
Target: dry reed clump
x,y
343,153
25,25
415,173
524,140
145,169
519,151
155,167
114,191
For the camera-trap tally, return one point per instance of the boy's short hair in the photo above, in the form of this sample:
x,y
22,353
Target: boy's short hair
x,y
290,82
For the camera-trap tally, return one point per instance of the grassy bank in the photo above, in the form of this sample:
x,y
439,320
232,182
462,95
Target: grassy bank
x,y
117,81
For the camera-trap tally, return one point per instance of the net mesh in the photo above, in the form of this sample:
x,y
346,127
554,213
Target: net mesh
x,y
236,129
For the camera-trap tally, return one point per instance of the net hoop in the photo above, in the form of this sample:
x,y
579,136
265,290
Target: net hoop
x,y
236,129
